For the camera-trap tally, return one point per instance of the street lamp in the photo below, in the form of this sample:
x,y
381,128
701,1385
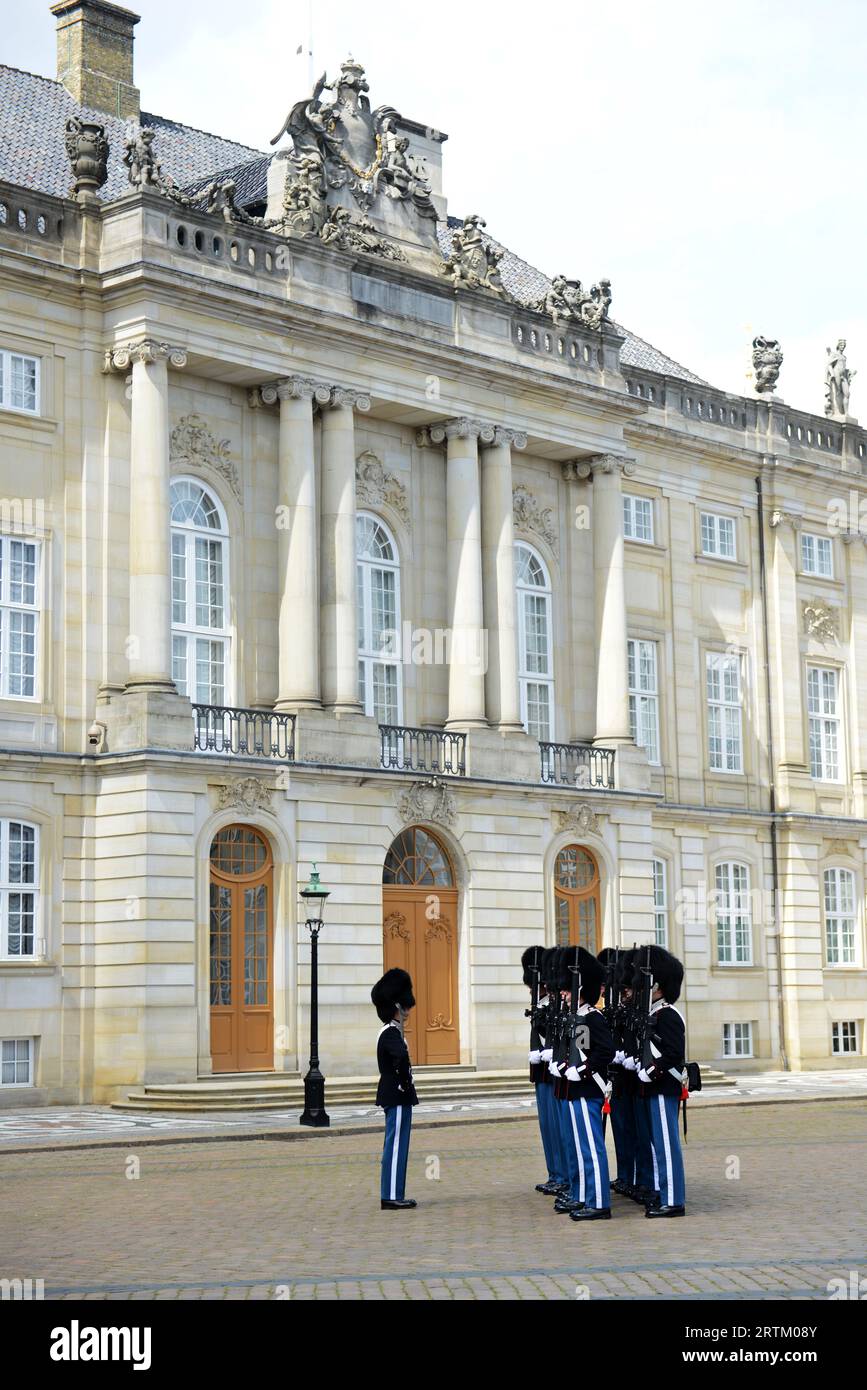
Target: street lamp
x,y
315,897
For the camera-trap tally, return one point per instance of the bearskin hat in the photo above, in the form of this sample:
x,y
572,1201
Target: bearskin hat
x,y
592,973
667,973
625,970
531,960
548,967
607,955
395,988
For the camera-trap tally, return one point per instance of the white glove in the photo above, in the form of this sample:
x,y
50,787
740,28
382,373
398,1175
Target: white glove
x,y
553,1069
630,1064
547,1054
535,1057
644,1075
620,1058
573,1073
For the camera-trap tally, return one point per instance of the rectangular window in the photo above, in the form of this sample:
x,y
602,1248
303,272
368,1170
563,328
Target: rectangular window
x,y
19,617
718,536
737,1040
16,1062
638,519
537,696
660,903
840,919
734,923
19,382
817,556
723,679
823,709
18,889
844,1037
643,696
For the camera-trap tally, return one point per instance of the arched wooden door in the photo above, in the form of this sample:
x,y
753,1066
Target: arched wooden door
x,y
241,948
576,899
420,935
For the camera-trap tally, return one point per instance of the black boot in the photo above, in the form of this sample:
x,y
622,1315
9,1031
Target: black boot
x,y
660,1210
397,1203
550,1188
591,1214
566,1203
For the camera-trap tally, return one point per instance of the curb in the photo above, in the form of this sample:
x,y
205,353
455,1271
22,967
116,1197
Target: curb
x,y
347,1131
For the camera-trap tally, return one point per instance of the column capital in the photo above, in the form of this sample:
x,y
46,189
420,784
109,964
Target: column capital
x,y
346,396
120,359
612,463
289,388
462,427
779,517
514,439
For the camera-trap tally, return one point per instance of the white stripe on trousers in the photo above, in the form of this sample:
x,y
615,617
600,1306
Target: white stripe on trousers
x,y
591,1141
581,1187
667,1145
394,1154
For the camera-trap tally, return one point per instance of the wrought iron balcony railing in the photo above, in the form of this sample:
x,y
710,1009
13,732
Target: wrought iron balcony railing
x,y
251,733
577,765
423,750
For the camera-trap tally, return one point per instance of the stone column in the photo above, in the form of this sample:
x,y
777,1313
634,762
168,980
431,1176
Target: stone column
x,y
787,677
150,587
466,618
298,543
498,577
612,690
337,574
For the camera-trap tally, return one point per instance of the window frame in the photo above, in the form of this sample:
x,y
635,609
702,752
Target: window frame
x,y
188,630
8,887
6,356
836,719
366,657
715,657
629,516
840,916
650,697
8,606
814,537
732,914
733,1024
857,1025
661,909
31,1064
526,677
716,518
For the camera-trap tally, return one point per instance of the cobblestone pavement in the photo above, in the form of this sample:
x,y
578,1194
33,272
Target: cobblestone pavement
x,y
267,1219
51,1125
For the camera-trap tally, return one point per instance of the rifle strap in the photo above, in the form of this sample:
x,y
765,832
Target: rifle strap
x,y
683,1103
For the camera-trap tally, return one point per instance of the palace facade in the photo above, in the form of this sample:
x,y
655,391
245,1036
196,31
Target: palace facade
x,y
334,533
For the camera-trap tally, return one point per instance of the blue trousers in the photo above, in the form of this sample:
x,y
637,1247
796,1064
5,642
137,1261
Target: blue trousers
x,y
587,1121
550,1130
395,1152
645,1164
671,1182
570,1144
623,1133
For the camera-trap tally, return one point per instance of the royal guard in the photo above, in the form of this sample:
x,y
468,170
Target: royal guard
x,y
617,965
533,963
393,998
662,1077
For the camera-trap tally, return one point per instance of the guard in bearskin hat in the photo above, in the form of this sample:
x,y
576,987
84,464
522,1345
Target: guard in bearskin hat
x,y
536,963
584,1086
393,998
662,1077
617,965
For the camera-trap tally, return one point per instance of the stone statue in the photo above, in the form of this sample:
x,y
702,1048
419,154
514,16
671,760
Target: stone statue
x,y
473,262
140,159
767,361
838,380
357,234
87,149
568,301
310,123
220,200
304,201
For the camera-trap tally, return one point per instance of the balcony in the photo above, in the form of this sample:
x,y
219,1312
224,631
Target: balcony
x,y
578,765
249,733
423,750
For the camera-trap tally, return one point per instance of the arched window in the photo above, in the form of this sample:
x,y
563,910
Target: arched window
x,y
378,607
200,622
576,899
734,917
535,652
840,916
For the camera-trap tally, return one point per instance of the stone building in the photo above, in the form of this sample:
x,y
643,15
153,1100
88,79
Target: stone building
x,y
334,532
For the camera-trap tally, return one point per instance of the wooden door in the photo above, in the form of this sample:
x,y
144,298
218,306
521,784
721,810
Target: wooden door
x,y
241,951
576,899
420,905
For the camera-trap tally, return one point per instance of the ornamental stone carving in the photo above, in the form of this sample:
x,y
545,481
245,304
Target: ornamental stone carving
x,y
354,233
568,302
838,381
600,463
779,517
820,621
145,172
192,442
579,818
298,387
839,847
461,428
767,361
120,359
246,794
87,149
474,262
376,487
428,801
530,516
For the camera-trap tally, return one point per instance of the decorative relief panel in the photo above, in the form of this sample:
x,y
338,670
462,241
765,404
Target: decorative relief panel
x,y
530,516
377,487
192,442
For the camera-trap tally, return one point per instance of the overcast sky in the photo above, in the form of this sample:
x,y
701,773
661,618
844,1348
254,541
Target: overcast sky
x,y
708,157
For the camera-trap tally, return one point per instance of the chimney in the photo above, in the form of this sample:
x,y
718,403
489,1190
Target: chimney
x,y
94,55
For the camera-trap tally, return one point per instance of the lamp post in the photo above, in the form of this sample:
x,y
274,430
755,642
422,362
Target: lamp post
x,y
315,897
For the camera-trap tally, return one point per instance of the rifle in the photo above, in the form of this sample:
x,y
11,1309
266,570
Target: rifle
x,y
575,1056
643,1004
534,1014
